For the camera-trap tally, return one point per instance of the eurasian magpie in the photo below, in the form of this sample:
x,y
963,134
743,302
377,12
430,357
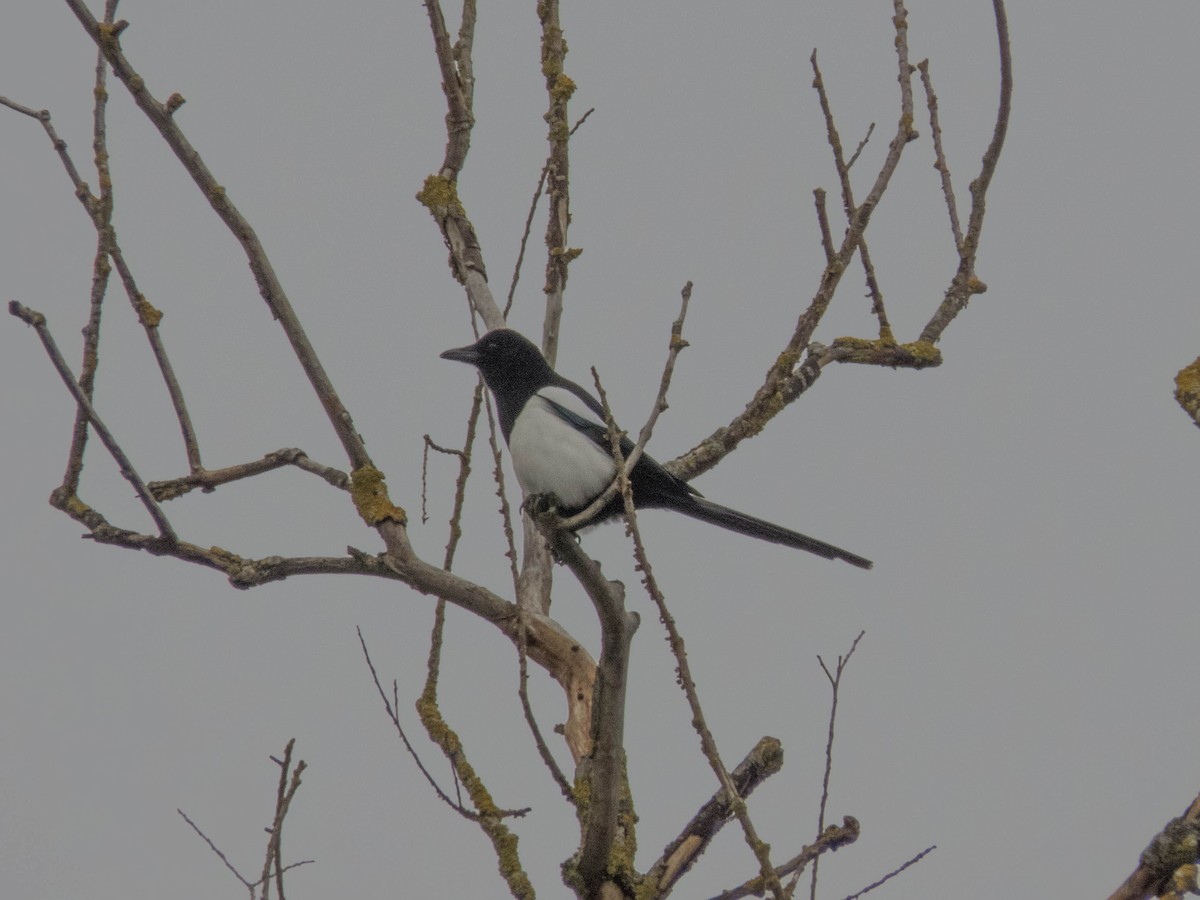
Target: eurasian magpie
x,y
559,443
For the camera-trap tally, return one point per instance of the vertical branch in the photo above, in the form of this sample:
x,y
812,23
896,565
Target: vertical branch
x,y
527,708
490,817
440,192
843,172
558,169
835,683
603,771
939,153
283,801
501,492
100,210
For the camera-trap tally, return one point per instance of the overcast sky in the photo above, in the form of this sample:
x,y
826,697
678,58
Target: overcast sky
x,y
1022,698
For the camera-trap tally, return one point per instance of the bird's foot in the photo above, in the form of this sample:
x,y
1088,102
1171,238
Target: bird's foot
x,y
543,509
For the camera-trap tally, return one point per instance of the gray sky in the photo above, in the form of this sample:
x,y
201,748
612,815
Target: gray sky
x,y
1029,505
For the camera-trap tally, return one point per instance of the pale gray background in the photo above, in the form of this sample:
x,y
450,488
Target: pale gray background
x,y
1024,695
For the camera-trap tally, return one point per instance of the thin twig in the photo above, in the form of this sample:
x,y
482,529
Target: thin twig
x,y
464,473
862,145
676,346
892,874
559,89
215,849
965,283
489,817
289,783
100,211
38,321
533,204
835,684
210,479
393,714
537,193
939,153
440,192
737,804
530,719
502,493
161,115
783,382
843,172
823,224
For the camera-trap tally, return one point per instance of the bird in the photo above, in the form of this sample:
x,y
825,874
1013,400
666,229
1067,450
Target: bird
x,y
560,446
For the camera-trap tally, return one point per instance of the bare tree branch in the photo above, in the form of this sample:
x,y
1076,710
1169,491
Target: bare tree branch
x,y
939,154
161,116
603,769
737,804
965,283
558,174
843,172
892,874
38,321
1168,864
531,720
489,817
832,838
210,479
677,344
783,382
681,854
835,683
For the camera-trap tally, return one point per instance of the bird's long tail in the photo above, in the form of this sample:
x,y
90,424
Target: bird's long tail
x,y
707,511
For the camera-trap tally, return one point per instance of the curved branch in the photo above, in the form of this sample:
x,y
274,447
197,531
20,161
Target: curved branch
x,y
965,283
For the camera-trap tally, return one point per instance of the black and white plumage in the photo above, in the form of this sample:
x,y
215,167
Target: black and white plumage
x,y
559,445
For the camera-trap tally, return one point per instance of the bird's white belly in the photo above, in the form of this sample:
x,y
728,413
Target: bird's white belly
x,y
551,457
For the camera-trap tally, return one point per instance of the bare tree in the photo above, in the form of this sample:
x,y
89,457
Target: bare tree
x,y
604,865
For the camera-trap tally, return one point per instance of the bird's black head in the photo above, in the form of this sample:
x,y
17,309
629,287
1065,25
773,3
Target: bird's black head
x,y
508,361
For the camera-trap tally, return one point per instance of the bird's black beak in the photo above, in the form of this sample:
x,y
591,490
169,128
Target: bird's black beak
x,y
469,355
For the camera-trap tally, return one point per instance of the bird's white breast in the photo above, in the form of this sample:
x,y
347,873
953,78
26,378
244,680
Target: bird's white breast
x,y
551,457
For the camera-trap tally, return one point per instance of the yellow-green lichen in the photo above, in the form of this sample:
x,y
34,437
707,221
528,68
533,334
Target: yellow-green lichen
x,y
563,88
75,507
148,315
440,196
369,493
568,254
886,352
854,343
923,351
504,842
